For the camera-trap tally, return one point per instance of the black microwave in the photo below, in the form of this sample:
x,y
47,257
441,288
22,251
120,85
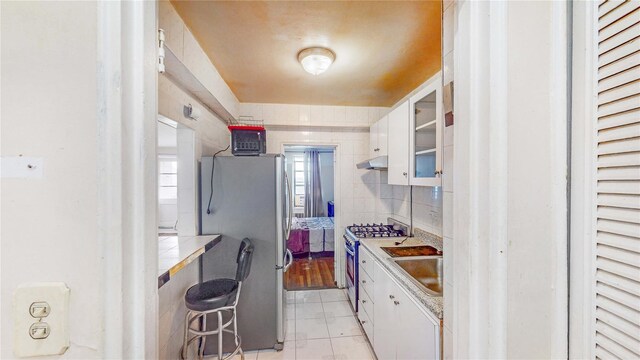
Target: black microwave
x,y
248,140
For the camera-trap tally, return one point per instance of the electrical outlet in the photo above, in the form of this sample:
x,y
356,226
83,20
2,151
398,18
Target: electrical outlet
x,y
39,330
39,309
40,312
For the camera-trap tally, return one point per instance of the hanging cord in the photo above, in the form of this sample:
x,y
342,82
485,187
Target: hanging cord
x,y
402,242
213,164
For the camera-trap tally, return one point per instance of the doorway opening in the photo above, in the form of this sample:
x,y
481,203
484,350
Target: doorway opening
x,y
176,179
312,237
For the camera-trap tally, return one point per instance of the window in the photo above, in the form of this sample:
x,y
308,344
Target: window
x,y
298,180
168,178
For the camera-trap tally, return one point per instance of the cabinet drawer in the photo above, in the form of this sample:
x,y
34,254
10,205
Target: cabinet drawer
x,y
367,324
366,261
366,284
366,303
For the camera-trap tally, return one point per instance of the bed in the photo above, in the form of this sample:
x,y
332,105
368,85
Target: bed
x,y
312,237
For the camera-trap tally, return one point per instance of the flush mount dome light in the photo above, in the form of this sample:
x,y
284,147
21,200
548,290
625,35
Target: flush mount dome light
x,y
316,60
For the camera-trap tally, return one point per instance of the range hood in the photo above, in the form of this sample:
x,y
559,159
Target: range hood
x,y
377,163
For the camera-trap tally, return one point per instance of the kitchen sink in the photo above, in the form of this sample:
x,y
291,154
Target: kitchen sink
x,y
425,272
403,251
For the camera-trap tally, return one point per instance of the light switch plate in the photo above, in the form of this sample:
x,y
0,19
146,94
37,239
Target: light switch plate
x,y
46,335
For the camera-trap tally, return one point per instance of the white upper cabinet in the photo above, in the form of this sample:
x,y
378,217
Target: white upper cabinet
x,y
383,135
373,140
425,143
378,138
398,145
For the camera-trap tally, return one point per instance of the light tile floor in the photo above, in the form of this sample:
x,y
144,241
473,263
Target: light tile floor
x,y
322,326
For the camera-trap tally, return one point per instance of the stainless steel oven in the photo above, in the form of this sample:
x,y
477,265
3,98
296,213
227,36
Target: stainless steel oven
x,y
351,250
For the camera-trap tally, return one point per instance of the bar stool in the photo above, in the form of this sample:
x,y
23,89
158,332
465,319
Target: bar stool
x,y
216,296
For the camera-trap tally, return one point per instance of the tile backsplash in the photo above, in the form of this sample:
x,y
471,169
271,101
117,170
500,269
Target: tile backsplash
x,y
395,201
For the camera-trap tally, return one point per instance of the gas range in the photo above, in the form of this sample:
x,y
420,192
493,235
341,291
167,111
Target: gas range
x,y
352,237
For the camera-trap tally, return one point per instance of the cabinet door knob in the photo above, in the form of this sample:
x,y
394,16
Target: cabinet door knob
x,y
364,261
391,297
364,301
362,322
364,281
396,302
404,173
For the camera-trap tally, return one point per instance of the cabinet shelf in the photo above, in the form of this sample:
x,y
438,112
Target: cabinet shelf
x,y
430,123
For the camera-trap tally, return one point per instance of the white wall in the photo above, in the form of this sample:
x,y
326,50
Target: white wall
x,y
50,224
181,42
313,115
211,133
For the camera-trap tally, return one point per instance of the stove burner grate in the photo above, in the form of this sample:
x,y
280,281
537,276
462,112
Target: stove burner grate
x,y
375,231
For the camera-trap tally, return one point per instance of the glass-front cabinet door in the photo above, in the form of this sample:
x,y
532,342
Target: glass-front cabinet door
x,y
425,165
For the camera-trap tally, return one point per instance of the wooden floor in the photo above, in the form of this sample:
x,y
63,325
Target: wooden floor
x,y
310,274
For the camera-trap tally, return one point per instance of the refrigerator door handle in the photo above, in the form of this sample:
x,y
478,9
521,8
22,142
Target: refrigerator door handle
x,y
289,208
288,264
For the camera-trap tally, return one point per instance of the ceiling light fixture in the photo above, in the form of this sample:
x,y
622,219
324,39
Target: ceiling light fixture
x,y
316,60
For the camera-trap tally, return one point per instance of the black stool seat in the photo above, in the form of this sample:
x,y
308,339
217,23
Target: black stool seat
x,y
211,294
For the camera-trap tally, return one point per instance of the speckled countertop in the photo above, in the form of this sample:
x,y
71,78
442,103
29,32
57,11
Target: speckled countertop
x,y
432,303
176,252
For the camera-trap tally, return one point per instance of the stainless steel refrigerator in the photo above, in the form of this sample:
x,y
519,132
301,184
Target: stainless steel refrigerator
x,y
249,196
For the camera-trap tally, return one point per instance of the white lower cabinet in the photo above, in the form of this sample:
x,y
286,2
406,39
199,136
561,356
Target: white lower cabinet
x,y
402,329
367,323
366,290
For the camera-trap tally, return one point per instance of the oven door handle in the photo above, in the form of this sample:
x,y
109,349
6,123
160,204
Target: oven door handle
x,y
350,250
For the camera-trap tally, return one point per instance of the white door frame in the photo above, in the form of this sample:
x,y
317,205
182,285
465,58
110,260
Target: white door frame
x,y
127,114
493,266
339,252
583,184
187,181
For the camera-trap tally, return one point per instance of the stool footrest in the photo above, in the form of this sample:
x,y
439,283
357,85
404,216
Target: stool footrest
x,y
235,351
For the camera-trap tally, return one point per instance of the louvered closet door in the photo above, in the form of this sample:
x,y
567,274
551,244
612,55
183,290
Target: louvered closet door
x,y
617,264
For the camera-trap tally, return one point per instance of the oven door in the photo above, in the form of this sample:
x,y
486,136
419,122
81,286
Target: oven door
x,y
351,251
